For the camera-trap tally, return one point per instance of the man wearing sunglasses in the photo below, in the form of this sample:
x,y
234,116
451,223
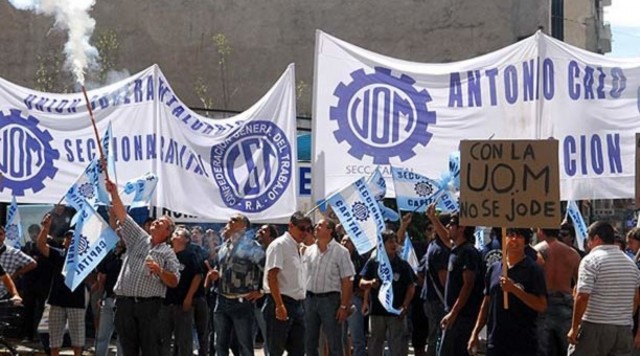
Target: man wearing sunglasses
x,y
285,288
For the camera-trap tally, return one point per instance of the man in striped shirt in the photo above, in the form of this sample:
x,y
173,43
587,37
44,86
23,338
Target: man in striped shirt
x,y
606,291
329,273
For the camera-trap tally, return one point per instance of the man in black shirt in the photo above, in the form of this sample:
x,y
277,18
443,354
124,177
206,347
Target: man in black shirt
x,y
177,312
512,331
463,289
67,307
108,271
383,323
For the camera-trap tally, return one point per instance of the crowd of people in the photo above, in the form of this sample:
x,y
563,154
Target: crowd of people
x,y
173,290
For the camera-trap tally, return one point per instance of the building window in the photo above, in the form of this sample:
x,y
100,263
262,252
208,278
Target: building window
x,y
557,19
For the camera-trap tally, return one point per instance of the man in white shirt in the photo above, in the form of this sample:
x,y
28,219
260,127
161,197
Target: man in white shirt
x,y
329,273
605,294
285,292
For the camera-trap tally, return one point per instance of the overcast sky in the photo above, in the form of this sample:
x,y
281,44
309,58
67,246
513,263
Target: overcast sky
x,y
624,17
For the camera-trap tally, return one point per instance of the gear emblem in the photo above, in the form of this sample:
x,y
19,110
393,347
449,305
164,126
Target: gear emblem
x,y
423,189
87,191
22,138
369,113
83,245
12,232
360,211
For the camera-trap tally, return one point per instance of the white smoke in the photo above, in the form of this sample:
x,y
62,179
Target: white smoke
x,y
71,16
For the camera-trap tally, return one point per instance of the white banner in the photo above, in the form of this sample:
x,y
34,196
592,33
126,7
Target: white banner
x,y
372,110
205,167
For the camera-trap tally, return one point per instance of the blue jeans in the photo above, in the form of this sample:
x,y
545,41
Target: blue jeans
x,y
262,325
321,311
234,315
179,323
106,327
357,328
201,322
554,325
434,310
285,335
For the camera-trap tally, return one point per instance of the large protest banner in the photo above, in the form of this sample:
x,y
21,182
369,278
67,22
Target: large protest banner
x,y
638,170
372,110
509,183
205,167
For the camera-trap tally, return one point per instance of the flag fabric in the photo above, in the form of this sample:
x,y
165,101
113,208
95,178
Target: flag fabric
x,y
479,237
13,229
414,192
409,254
142,189
84,192
578,223
377,184
359,214
448,202
385,294
93,238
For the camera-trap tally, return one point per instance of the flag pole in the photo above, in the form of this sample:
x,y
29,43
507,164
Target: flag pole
x,y
95,131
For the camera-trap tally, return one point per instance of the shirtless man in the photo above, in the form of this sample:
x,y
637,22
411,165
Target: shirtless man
x,y
560,264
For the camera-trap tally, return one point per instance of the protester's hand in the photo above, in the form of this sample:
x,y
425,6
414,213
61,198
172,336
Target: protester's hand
x,y
472,345
572,336
508,285
186,304
281,313
431,212
16,300
112,188
636,341
94,287
342,314
46,221
153,266
213,275
255,295
370,284
403,311
448,320
406,219
365,308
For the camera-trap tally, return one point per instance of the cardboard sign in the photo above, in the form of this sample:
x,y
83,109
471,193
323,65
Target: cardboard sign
x,y
637,170
510,183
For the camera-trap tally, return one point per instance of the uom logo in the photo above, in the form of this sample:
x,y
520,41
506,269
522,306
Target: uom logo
x,y
26,155
253,167
382,116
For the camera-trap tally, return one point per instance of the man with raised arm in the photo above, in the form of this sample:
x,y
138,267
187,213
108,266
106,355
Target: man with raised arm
x,y
149,267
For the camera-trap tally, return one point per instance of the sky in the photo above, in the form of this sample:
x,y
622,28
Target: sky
x,y
624,17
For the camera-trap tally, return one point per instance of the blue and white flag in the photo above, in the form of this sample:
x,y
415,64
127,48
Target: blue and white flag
x,y
83,194
448,202
414,192
377,185
107,140
142,189
385,272
13,229
578,223
479,238
93,238
409,254
359,213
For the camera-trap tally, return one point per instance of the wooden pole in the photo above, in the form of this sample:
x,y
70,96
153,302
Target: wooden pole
x,y
95,131
505,266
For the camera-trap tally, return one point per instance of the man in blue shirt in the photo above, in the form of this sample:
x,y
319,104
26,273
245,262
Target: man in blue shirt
x,y
512,331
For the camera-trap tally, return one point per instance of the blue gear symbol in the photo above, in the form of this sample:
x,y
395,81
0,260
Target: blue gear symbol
x,y
47,170
381,155
360,211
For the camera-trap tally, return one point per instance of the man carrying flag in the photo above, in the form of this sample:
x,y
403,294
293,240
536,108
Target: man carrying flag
x,y
383,322
148,269
67,307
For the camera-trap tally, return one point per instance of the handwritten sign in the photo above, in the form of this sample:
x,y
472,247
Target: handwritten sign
x,y
510,183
